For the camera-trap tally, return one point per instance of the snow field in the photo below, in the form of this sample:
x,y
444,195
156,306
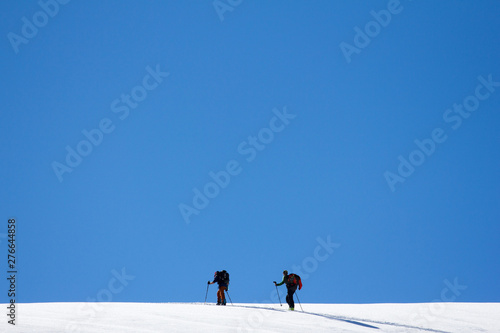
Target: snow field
x,y
254,317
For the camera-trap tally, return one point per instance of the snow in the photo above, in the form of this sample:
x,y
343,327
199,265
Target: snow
x,y
199,317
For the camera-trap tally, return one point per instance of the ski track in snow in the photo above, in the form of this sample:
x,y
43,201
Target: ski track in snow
x,y
350,320
357,321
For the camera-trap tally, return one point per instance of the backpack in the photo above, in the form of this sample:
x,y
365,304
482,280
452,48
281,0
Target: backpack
x,y
224,277
293,280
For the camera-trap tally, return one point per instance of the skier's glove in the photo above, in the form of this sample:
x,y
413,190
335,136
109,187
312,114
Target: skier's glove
x,y
208,282
274,282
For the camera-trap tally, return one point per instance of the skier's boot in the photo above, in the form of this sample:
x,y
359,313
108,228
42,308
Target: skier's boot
x,y
218,301
223,302
291,309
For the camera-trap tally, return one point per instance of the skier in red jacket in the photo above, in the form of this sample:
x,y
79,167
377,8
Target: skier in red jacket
x,y
292,281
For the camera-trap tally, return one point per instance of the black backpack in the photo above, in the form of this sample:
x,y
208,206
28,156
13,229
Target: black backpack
x,y
293,280
224,277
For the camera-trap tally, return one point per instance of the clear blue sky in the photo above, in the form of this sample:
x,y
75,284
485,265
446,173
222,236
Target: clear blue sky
x,y
328,168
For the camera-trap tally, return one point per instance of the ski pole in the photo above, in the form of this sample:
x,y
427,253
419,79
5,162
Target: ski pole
x,y
296,294
208,285
278,293
227,292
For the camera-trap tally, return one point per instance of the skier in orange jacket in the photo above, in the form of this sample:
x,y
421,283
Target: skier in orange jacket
x,y
222,278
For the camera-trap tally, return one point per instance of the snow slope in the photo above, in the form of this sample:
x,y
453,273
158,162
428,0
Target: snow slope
x,y
197,317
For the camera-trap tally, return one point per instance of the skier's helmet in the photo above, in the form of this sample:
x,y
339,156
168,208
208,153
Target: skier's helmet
x,y
285,272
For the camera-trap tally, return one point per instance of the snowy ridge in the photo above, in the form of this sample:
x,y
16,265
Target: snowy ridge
x,y
199,317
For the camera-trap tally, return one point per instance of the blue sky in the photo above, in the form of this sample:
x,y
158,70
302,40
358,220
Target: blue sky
x,y
305,137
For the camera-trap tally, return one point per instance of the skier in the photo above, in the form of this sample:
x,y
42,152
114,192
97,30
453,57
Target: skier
x,y
222,278
291,281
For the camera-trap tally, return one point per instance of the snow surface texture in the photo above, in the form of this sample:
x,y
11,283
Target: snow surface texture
x,y
197,317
